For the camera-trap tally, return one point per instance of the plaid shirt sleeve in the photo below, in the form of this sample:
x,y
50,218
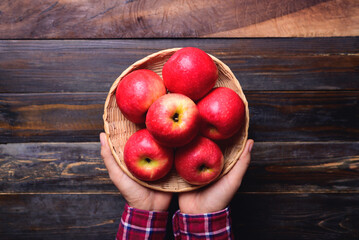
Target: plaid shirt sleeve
x,y
141,224
213,226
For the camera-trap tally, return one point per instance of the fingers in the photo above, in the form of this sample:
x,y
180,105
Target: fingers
x,y
236,175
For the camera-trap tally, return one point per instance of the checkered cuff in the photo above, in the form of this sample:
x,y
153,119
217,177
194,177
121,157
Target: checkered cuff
x,y
141,224
215,225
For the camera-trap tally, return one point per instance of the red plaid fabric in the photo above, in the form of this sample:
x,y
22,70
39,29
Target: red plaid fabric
x,y
141,224
212,226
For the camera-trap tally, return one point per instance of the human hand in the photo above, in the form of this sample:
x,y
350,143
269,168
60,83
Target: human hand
x,y
218,195
136,195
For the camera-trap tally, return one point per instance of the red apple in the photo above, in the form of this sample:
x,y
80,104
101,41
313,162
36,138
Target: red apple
x,y
145,158
173,120
222,112
199,162
190,71
136,92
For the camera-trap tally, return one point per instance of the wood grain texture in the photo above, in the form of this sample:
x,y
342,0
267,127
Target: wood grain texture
x,y
60,216
254,216
164,18
296,216
274,116
53,167
51,117
315,167
309,22
302,92
259,64
304,116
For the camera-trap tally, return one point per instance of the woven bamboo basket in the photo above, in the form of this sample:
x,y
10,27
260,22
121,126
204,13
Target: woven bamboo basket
x,y
118,129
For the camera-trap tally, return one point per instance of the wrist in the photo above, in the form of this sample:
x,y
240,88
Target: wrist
x,y
147,207
212,213
194,211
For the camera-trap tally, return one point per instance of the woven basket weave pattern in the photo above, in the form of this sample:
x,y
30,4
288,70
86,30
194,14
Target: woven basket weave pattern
x,y
118,129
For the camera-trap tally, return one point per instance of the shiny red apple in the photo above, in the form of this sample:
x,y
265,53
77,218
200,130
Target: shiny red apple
x,y
199,162
145,158
173,120
137,91
190,71
222,112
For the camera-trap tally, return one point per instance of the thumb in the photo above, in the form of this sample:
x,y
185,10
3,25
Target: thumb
x,y
105,149
110,163
236,175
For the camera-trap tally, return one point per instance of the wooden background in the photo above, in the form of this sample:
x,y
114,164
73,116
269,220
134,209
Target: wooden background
x,y
58,59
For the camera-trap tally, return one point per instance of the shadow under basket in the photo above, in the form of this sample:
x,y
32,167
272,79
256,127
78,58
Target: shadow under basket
x,y
118,129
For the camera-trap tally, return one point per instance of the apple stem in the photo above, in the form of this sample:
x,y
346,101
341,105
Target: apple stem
x,y
148,160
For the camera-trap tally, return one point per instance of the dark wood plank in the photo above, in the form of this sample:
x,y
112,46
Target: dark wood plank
x,y
254,216
303,167
259,64
304,116
51,117
60,216
276,167
274,116
164,18
296,216
53,167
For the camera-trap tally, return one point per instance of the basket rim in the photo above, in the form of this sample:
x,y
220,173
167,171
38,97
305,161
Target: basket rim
x,y
107,131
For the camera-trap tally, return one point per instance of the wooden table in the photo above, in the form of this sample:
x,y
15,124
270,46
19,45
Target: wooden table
x,y
297,61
